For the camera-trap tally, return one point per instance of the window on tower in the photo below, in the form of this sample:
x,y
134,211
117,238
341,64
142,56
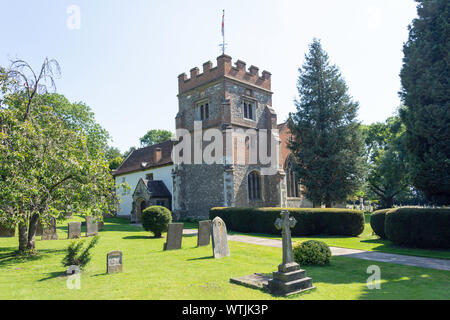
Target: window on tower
x,y
249,110
203,111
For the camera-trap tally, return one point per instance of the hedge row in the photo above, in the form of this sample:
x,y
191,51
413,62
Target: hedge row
x,y
423,228
377,222
341,222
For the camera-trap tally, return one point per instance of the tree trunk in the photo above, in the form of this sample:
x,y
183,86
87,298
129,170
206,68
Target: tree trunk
x,y
389,202
31,243
23,239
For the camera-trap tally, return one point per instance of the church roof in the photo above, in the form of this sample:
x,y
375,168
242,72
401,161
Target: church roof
x,y
145,158
157,189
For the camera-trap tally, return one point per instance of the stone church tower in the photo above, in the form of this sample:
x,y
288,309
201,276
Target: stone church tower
x,y
237,103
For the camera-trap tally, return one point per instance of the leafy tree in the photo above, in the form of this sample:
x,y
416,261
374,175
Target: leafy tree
x,y
46,166
388,174
327,143
114,157
155,136
426,93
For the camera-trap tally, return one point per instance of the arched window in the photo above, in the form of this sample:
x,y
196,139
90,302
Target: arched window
x,y
254,186
291,180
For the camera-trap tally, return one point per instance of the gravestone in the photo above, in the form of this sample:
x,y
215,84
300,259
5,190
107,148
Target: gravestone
x,y
289,279
219,238
7,232
74,230
114,262
91,227
204,233
39,228
49,230
101,225
174,236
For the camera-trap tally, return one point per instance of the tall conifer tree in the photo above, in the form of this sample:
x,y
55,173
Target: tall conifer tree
x,y
426,94
327,142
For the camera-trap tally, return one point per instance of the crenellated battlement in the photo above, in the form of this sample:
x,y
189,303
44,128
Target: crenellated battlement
x,y
224,68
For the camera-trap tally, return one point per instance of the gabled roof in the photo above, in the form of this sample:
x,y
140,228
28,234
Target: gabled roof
x,y
144,159
157,189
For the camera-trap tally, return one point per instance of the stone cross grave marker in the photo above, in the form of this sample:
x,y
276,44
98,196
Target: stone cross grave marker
x,y
289,279
114,262
219,238
49,230
91,227
74,230
204,233
174,236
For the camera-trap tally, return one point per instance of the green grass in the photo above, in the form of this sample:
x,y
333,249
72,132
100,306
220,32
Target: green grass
x,y
366,241
192,273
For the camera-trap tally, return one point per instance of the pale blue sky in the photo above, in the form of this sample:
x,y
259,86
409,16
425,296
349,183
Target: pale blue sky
x,y
125,58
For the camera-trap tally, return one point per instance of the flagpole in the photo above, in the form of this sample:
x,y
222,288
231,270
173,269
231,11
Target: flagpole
x,y
223,33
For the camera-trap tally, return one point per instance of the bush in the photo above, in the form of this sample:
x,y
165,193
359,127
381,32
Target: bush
x,y
377,222
341,222
75,258
312,252
422,228
156,219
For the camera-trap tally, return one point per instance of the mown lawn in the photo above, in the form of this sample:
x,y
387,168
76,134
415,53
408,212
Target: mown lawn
x,y
192,273
366,241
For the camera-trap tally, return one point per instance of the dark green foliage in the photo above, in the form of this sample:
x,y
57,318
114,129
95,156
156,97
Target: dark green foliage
x,y
422,228
341,222
76,257
155,136
312,252
426,93
388,174
377,222
156,219
327,145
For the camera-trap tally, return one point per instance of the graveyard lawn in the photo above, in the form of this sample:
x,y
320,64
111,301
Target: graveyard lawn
x,y
192,273
367,241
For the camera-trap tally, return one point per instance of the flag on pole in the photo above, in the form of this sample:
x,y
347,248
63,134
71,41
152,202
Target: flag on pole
x,y
223,23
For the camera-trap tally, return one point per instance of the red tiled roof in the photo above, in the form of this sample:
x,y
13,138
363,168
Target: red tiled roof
x,y
144,159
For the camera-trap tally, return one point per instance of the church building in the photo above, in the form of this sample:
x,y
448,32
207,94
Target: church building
x,y
234,104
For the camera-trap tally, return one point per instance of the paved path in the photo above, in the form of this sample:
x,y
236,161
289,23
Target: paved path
x,y
431,263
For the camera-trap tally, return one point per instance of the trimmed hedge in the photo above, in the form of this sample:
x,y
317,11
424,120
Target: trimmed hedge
x,y
340,222
156,219
422,228
312,252
377,222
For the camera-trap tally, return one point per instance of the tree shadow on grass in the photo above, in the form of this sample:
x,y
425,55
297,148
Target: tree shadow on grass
x,y
140,238
10,256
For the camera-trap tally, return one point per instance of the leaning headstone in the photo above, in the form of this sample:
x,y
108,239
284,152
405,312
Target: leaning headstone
x,y
219,238
289,279
204,233
74,230
49,230
174,236
114,262
7,232
91,227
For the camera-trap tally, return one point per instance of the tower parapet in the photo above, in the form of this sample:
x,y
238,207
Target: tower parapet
x,y
224,68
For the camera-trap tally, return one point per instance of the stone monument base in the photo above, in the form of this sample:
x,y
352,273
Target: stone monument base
x,y
289,280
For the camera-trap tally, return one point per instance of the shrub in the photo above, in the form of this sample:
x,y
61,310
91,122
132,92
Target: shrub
x,y
156,219
341,222
74,256
377,222
422,228
312,252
